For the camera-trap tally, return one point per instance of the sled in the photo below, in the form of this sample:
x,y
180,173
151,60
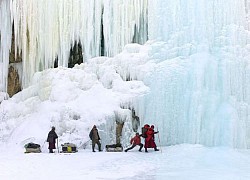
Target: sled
x,y
32,148
69,148
114,148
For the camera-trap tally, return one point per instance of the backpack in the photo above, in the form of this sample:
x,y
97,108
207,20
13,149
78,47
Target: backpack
x,y
143,132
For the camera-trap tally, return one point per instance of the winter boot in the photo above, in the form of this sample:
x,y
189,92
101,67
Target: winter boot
x,y
140,149
51,151
156,149
146,150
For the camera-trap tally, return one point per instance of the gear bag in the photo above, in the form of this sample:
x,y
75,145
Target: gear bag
x,y
68,148
114,148
32,148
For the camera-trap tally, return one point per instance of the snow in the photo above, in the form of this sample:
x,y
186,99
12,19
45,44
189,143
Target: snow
x,y
190,79
72,100
175,162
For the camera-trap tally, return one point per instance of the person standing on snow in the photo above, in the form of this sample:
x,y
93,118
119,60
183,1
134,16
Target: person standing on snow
x,y
94,136
149,140
152,127
52,136
135,141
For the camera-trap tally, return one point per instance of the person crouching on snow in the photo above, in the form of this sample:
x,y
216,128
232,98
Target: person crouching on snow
x,y
52,136
135,141
94,136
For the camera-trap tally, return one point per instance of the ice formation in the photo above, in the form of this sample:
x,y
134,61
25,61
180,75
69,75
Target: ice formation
x,y
5,43
196,62
200,89
45,30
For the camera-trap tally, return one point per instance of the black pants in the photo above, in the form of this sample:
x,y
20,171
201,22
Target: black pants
x,y
141,145
51,151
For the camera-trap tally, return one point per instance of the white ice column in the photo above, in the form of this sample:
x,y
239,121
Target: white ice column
x,y
5,42
120,18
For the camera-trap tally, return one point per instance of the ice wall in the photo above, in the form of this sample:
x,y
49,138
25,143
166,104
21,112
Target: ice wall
x,y
45,30
193,20
200,89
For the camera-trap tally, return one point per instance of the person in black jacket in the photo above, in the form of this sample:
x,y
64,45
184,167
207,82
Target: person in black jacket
x,y
94,136
52,136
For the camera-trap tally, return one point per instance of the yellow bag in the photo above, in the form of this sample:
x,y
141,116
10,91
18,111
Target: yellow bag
x,y
69,149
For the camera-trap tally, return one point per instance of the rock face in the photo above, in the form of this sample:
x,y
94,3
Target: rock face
x,y
119,127
14,85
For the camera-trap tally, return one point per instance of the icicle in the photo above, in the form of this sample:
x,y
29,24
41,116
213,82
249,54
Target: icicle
x,y
5,42
46,30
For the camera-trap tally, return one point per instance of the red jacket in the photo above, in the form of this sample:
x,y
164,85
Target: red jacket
x,y
150,134
136,140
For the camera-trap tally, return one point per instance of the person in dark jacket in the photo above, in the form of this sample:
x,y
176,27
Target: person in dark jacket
x,y
135,141
52,136
95,138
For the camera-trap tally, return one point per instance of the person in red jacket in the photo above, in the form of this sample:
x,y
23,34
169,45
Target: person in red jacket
x,y
149,140
152,126
135,141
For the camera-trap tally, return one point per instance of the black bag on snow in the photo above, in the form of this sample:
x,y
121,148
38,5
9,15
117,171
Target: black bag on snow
x,y
114,148
32,148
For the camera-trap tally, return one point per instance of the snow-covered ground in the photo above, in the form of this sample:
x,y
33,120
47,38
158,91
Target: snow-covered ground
x,y
180,162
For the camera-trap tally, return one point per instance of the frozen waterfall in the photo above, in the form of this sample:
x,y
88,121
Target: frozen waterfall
x,y
198,51
200,90
46,30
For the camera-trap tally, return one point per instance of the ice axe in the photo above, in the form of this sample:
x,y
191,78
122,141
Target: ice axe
x,y
57,146
159,139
